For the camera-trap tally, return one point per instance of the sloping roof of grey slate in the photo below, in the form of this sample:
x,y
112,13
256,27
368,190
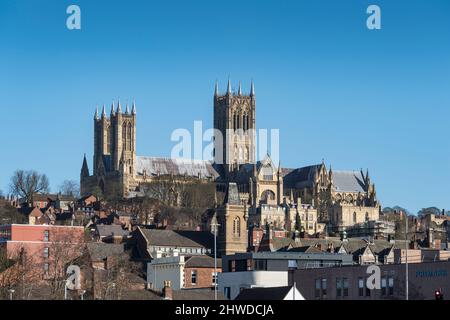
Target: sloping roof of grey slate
x,y
109,230
195,239
350,181
197,294
177,167
98,251
202,262
273,293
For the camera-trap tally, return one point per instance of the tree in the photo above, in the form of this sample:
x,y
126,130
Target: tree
x,y
10,215
70,188
26,183
63,251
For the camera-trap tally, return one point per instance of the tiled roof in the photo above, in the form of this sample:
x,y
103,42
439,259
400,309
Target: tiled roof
x,y
197,294
195,239
202,262
99,251
109,230
272,293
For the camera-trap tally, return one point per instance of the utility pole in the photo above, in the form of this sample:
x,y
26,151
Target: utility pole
x,y
406,257
214,226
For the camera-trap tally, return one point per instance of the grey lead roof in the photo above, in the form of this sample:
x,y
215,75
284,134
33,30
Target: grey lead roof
x,y
348,181
167,166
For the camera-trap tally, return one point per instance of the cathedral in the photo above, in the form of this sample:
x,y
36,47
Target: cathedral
x,y
263,193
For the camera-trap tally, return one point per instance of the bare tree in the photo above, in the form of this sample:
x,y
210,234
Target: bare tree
x,y
10,215
26,183
116,278
63,251
70,188
17,272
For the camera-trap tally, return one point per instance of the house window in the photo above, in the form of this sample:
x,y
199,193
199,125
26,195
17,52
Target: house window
x,y
46,268
317,289
345,284
338,287
46,235
360,287
324,288
367,292
391,286
194,277
383,286
45,252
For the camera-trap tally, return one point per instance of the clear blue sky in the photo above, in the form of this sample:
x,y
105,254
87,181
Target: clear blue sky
x,y
358,98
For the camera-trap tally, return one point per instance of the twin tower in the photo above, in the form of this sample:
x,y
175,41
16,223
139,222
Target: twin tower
x,y
115,140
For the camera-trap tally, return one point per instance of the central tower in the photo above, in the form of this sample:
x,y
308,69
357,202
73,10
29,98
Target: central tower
x,y
235,119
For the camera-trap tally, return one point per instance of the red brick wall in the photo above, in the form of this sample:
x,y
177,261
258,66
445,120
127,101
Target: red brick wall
x,y
64,242
204,277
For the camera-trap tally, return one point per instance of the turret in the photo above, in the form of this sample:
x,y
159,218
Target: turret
x,y
84,168
133,108
252,89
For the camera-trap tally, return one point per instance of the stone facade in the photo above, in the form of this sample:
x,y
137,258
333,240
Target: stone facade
x,y
268,193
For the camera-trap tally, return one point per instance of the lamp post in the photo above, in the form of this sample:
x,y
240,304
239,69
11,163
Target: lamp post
x,y
82,294
11,291
406,258
214,226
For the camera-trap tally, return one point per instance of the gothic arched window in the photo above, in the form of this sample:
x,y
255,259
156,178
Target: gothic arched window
x,y
129,137
237,227
108,140
354,217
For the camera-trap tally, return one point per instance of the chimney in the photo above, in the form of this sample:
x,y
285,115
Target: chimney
x,y
167,291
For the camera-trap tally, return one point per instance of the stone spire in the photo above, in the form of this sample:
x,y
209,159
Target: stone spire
x,y
112,108
229,87
119,107
216,89
252,89
127,111
85,168
133,108
240,89
103,112
96,113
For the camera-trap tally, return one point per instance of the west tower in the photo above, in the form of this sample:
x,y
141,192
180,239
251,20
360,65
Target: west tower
x,y
115,140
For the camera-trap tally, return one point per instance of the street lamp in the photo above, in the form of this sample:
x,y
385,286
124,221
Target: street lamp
x,y
406,258
214,226
11,291
113,286
82,294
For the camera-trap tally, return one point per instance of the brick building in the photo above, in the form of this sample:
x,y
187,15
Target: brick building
x,y
41,245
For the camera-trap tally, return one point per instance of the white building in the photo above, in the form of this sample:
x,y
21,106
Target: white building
x,y
164,269
231,283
